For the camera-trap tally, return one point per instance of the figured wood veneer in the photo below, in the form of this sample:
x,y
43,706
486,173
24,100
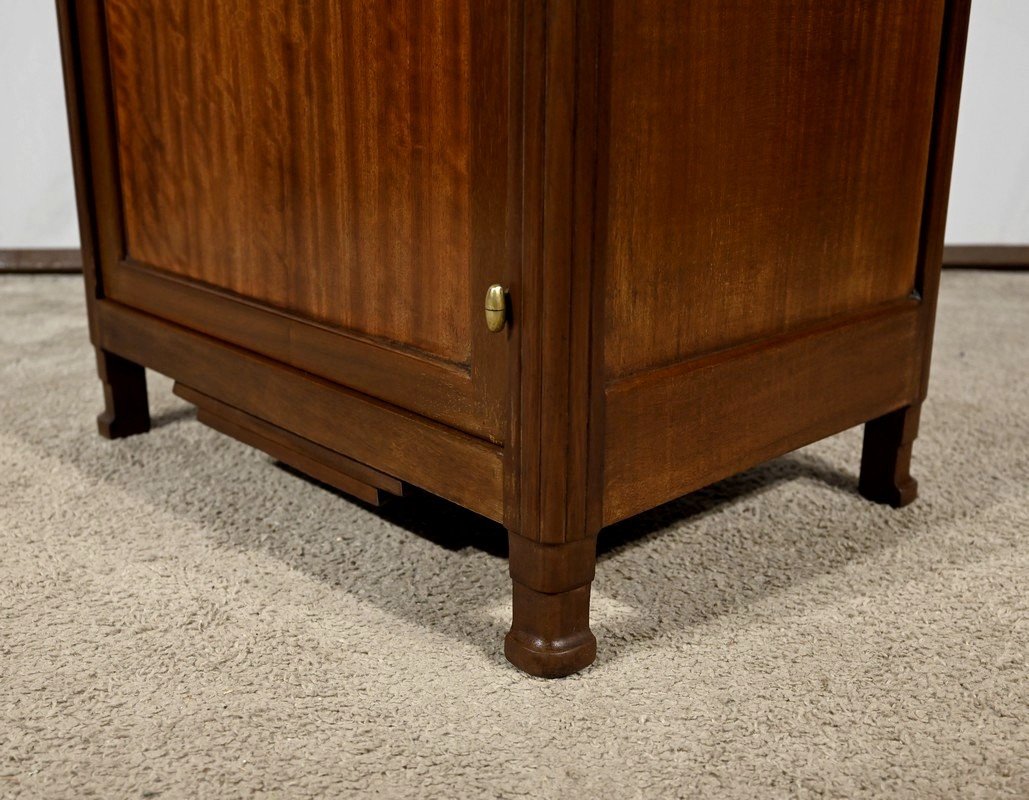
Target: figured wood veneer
x,y
768,164
315,157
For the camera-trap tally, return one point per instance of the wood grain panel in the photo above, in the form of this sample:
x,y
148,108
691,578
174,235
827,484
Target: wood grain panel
x,y
675,430
551,404
315,156
767,167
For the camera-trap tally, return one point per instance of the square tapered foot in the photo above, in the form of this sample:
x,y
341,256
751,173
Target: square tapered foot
x,y
126,411
886,458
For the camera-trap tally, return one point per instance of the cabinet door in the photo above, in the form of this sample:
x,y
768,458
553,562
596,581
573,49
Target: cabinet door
x,y
327,183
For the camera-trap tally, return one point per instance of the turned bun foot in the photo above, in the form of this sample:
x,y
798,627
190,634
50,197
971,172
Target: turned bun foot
x,y
550,634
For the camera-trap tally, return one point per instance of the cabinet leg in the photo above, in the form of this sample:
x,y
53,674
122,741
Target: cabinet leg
x,y
550,634
886,458
126,412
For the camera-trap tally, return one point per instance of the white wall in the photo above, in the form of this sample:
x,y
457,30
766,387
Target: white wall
x,y
37,198
989,201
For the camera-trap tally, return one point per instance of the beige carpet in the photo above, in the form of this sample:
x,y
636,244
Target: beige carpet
x,y
181,618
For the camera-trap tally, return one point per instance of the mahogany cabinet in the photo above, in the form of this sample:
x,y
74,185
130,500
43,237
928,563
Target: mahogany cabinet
x,y
558,261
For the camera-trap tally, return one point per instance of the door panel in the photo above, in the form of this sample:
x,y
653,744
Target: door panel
x,y
782,186
327,182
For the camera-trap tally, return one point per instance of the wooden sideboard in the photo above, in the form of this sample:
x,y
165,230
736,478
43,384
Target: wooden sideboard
x,y
558,262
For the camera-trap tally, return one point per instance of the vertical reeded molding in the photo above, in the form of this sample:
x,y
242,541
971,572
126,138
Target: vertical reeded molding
x,y
555,308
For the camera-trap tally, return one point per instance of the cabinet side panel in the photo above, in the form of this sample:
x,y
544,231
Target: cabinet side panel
x,y
767,168
315,157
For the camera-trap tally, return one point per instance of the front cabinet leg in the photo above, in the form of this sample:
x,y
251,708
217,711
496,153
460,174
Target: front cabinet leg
x,y
126,411
550,634
886,458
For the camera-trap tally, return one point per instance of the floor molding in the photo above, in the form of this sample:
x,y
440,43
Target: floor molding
x,y
69,260
65,260
987,256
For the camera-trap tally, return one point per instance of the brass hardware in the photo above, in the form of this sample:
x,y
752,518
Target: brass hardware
x,y
496,308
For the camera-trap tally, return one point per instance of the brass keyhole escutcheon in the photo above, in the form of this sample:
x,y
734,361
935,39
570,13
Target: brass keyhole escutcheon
x,y
496,308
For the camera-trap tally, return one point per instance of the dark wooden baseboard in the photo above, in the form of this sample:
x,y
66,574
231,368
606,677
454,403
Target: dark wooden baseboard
x,y
41,261
69,260
986,256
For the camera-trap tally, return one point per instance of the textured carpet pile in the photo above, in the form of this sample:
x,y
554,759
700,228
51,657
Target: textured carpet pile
x,y
180,617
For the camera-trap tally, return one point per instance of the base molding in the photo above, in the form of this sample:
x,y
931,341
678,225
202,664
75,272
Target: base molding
x,y
986,256
332,468
41,261
672,431
392,441
68,260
